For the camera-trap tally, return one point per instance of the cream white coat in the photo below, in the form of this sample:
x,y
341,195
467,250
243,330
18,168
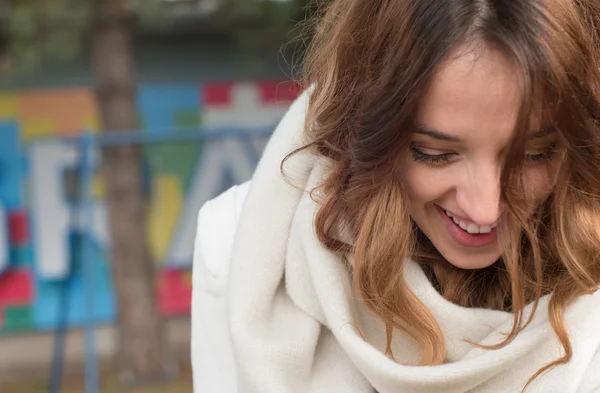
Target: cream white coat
x,y
274,311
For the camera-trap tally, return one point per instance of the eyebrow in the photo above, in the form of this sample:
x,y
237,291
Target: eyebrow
x,y
435,134
542,132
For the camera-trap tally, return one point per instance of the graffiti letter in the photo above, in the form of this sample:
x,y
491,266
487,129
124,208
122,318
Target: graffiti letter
x,y
53,217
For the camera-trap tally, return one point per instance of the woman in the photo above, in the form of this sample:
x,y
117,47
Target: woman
x,y
434,224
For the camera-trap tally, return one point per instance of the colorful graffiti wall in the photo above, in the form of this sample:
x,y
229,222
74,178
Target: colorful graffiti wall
x,y
41,282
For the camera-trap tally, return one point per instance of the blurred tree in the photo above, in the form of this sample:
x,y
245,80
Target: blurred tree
x,y
59,29
38,30
143,341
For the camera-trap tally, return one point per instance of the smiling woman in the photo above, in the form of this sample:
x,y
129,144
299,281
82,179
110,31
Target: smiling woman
x,y
425,217
475,99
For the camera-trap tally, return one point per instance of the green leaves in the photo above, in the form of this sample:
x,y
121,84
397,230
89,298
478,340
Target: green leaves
x,y
23,32
40,30
262,27
153,13
62,45
22,23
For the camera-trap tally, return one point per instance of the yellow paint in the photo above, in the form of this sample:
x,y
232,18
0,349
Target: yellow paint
x,y
91,123
167,200
33,128
9,108
98,189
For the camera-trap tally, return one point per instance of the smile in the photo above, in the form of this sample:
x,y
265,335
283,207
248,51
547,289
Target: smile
x,y
466,233
471,227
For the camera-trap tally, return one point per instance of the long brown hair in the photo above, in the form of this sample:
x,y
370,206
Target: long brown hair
x,y
369,65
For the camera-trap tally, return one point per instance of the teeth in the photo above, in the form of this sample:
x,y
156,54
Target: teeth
x,y
485,229
472,228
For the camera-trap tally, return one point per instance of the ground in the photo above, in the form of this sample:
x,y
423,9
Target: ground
x,y
110,384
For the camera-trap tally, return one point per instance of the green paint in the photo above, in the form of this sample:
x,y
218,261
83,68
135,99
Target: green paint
x,y
188,118
176,158
16,319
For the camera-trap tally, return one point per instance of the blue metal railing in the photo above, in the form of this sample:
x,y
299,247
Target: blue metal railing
x,y
87,142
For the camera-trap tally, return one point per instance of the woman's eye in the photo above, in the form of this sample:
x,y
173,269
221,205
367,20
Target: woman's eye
x,y
419,155
545,156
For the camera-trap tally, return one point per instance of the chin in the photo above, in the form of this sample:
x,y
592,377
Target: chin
x,y
470,261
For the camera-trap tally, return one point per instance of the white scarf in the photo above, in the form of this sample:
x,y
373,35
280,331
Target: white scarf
x,y
294,317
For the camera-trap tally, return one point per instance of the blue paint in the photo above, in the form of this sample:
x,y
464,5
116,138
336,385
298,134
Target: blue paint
x,y
46,307
11,166
160,105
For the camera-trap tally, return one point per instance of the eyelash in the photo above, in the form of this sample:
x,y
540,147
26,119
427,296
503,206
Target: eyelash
x,y
418,155
542,157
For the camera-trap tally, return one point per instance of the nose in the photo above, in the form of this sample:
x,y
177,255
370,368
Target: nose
x,y
478,195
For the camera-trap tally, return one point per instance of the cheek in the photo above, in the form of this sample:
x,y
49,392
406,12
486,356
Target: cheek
x,y
424,184
539,182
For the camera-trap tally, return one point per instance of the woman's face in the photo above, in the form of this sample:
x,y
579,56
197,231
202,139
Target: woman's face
x,y
464,125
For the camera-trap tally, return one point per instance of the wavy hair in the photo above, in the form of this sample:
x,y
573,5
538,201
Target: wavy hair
x,y
369,67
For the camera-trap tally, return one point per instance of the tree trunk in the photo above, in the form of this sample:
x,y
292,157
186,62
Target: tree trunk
x,y
141,332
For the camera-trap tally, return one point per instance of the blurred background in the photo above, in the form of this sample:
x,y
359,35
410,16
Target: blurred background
x,y
118,120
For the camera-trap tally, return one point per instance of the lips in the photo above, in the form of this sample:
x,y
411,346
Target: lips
x,y
475,237
469,226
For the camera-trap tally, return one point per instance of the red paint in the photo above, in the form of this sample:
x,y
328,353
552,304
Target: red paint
x,y
18,227
217,94
174,292
278,92
16,287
